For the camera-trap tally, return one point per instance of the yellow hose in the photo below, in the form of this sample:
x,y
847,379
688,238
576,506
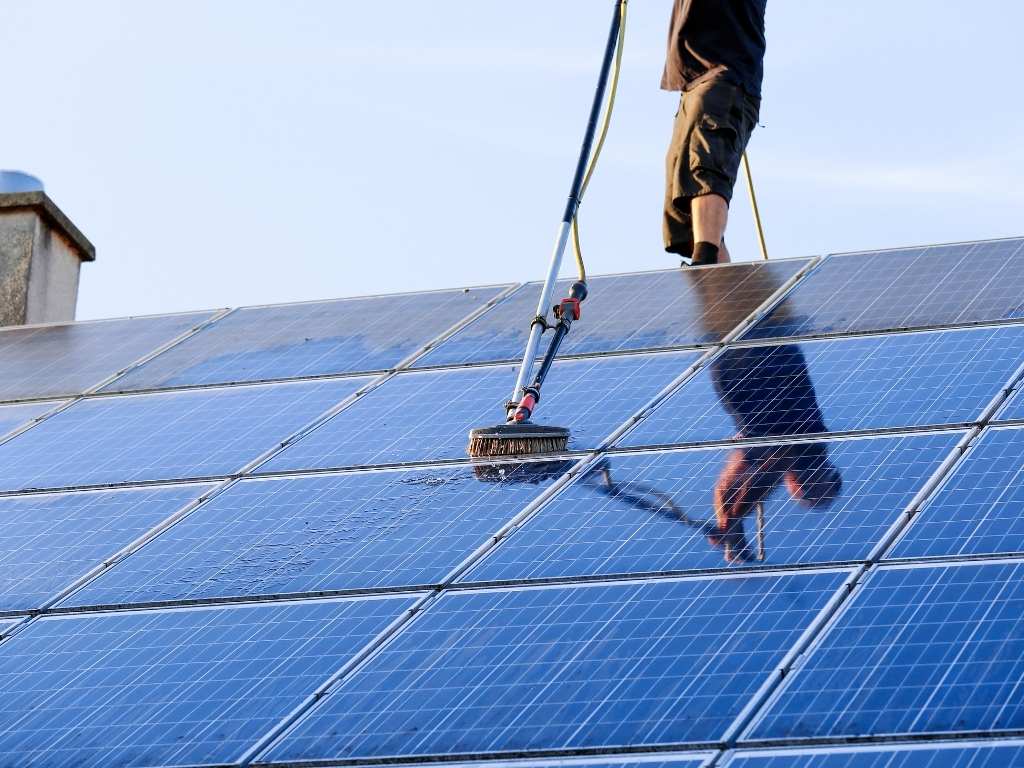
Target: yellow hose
x,y
605,124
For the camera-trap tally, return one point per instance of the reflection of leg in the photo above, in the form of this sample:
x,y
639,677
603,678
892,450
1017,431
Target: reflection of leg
x,y
710,215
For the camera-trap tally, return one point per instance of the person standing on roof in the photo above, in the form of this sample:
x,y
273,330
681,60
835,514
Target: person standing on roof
x,y
716,58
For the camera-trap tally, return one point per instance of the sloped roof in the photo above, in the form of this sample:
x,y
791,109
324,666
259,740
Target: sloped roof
x,y
253,536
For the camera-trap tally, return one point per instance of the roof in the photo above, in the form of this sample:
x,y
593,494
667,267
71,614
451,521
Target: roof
x,y
787,530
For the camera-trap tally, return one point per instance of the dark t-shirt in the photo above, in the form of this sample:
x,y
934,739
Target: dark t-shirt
x,y
715,37
768,391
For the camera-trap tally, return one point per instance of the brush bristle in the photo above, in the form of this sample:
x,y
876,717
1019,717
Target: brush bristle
x,y
486,446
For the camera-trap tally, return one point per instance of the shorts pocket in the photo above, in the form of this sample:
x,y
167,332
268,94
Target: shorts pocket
x,y
714,146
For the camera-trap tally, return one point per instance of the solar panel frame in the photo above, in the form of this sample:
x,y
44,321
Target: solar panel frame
x,y
128,439
326,533
835,292
425,416
627,312
141,692
587,531
50,542
56,360
16,417
963,513
759,731
776,386
216,355
342,703
1013,410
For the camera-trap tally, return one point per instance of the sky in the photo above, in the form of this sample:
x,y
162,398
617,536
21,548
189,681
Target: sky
x,y
236,152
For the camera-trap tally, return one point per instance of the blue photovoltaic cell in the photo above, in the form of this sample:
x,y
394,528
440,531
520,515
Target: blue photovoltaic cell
x,y
426,416
624,312
327,532
326,337
945,755
47,541
980,508
658,512
67,359
910,288
901,380
14,416
602,665
1014,409
919,650
173,435
191,686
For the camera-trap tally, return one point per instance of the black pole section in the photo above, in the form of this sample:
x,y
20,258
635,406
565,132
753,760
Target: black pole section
x,y
595,113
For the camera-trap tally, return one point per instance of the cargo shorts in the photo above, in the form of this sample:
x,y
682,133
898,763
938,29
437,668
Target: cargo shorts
x,y
712,128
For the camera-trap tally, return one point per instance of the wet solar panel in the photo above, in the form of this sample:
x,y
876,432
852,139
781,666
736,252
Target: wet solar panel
x,y
697,509
919,650
182,687
68,359
14,417
941,755
601,665
871,382
627,312
170,435
980,508
426,416
360,530
907,288
48,541
327,337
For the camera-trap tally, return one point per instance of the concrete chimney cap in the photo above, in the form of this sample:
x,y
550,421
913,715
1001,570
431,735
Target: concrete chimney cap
x,y
46,208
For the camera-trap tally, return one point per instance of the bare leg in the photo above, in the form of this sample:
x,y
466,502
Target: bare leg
x,y
710,215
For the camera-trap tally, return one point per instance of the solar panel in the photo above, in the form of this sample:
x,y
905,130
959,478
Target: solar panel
x,y
59,360
908,288
326,337
980,508
357,530
1014,409
13,417
696,509
601,665
941,755
170,435
180,687
426,416
47,541
919,650
627,312
898,380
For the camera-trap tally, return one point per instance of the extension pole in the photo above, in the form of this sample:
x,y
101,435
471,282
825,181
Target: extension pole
x,y
572,206
753,206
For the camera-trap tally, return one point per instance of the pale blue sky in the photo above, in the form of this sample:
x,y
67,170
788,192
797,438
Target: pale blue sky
x,y
232,152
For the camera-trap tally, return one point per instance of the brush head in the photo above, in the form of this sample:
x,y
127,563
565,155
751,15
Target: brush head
x,y
516,440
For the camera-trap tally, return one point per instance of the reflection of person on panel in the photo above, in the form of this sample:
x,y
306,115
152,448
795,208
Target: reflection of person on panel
x,y
768,392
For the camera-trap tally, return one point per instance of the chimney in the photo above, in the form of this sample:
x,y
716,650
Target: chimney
x,y
41,252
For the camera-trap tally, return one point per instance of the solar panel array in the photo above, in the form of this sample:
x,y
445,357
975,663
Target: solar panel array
x,y
789,518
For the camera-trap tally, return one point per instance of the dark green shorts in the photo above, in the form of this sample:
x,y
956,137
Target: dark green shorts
x,y
712,128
